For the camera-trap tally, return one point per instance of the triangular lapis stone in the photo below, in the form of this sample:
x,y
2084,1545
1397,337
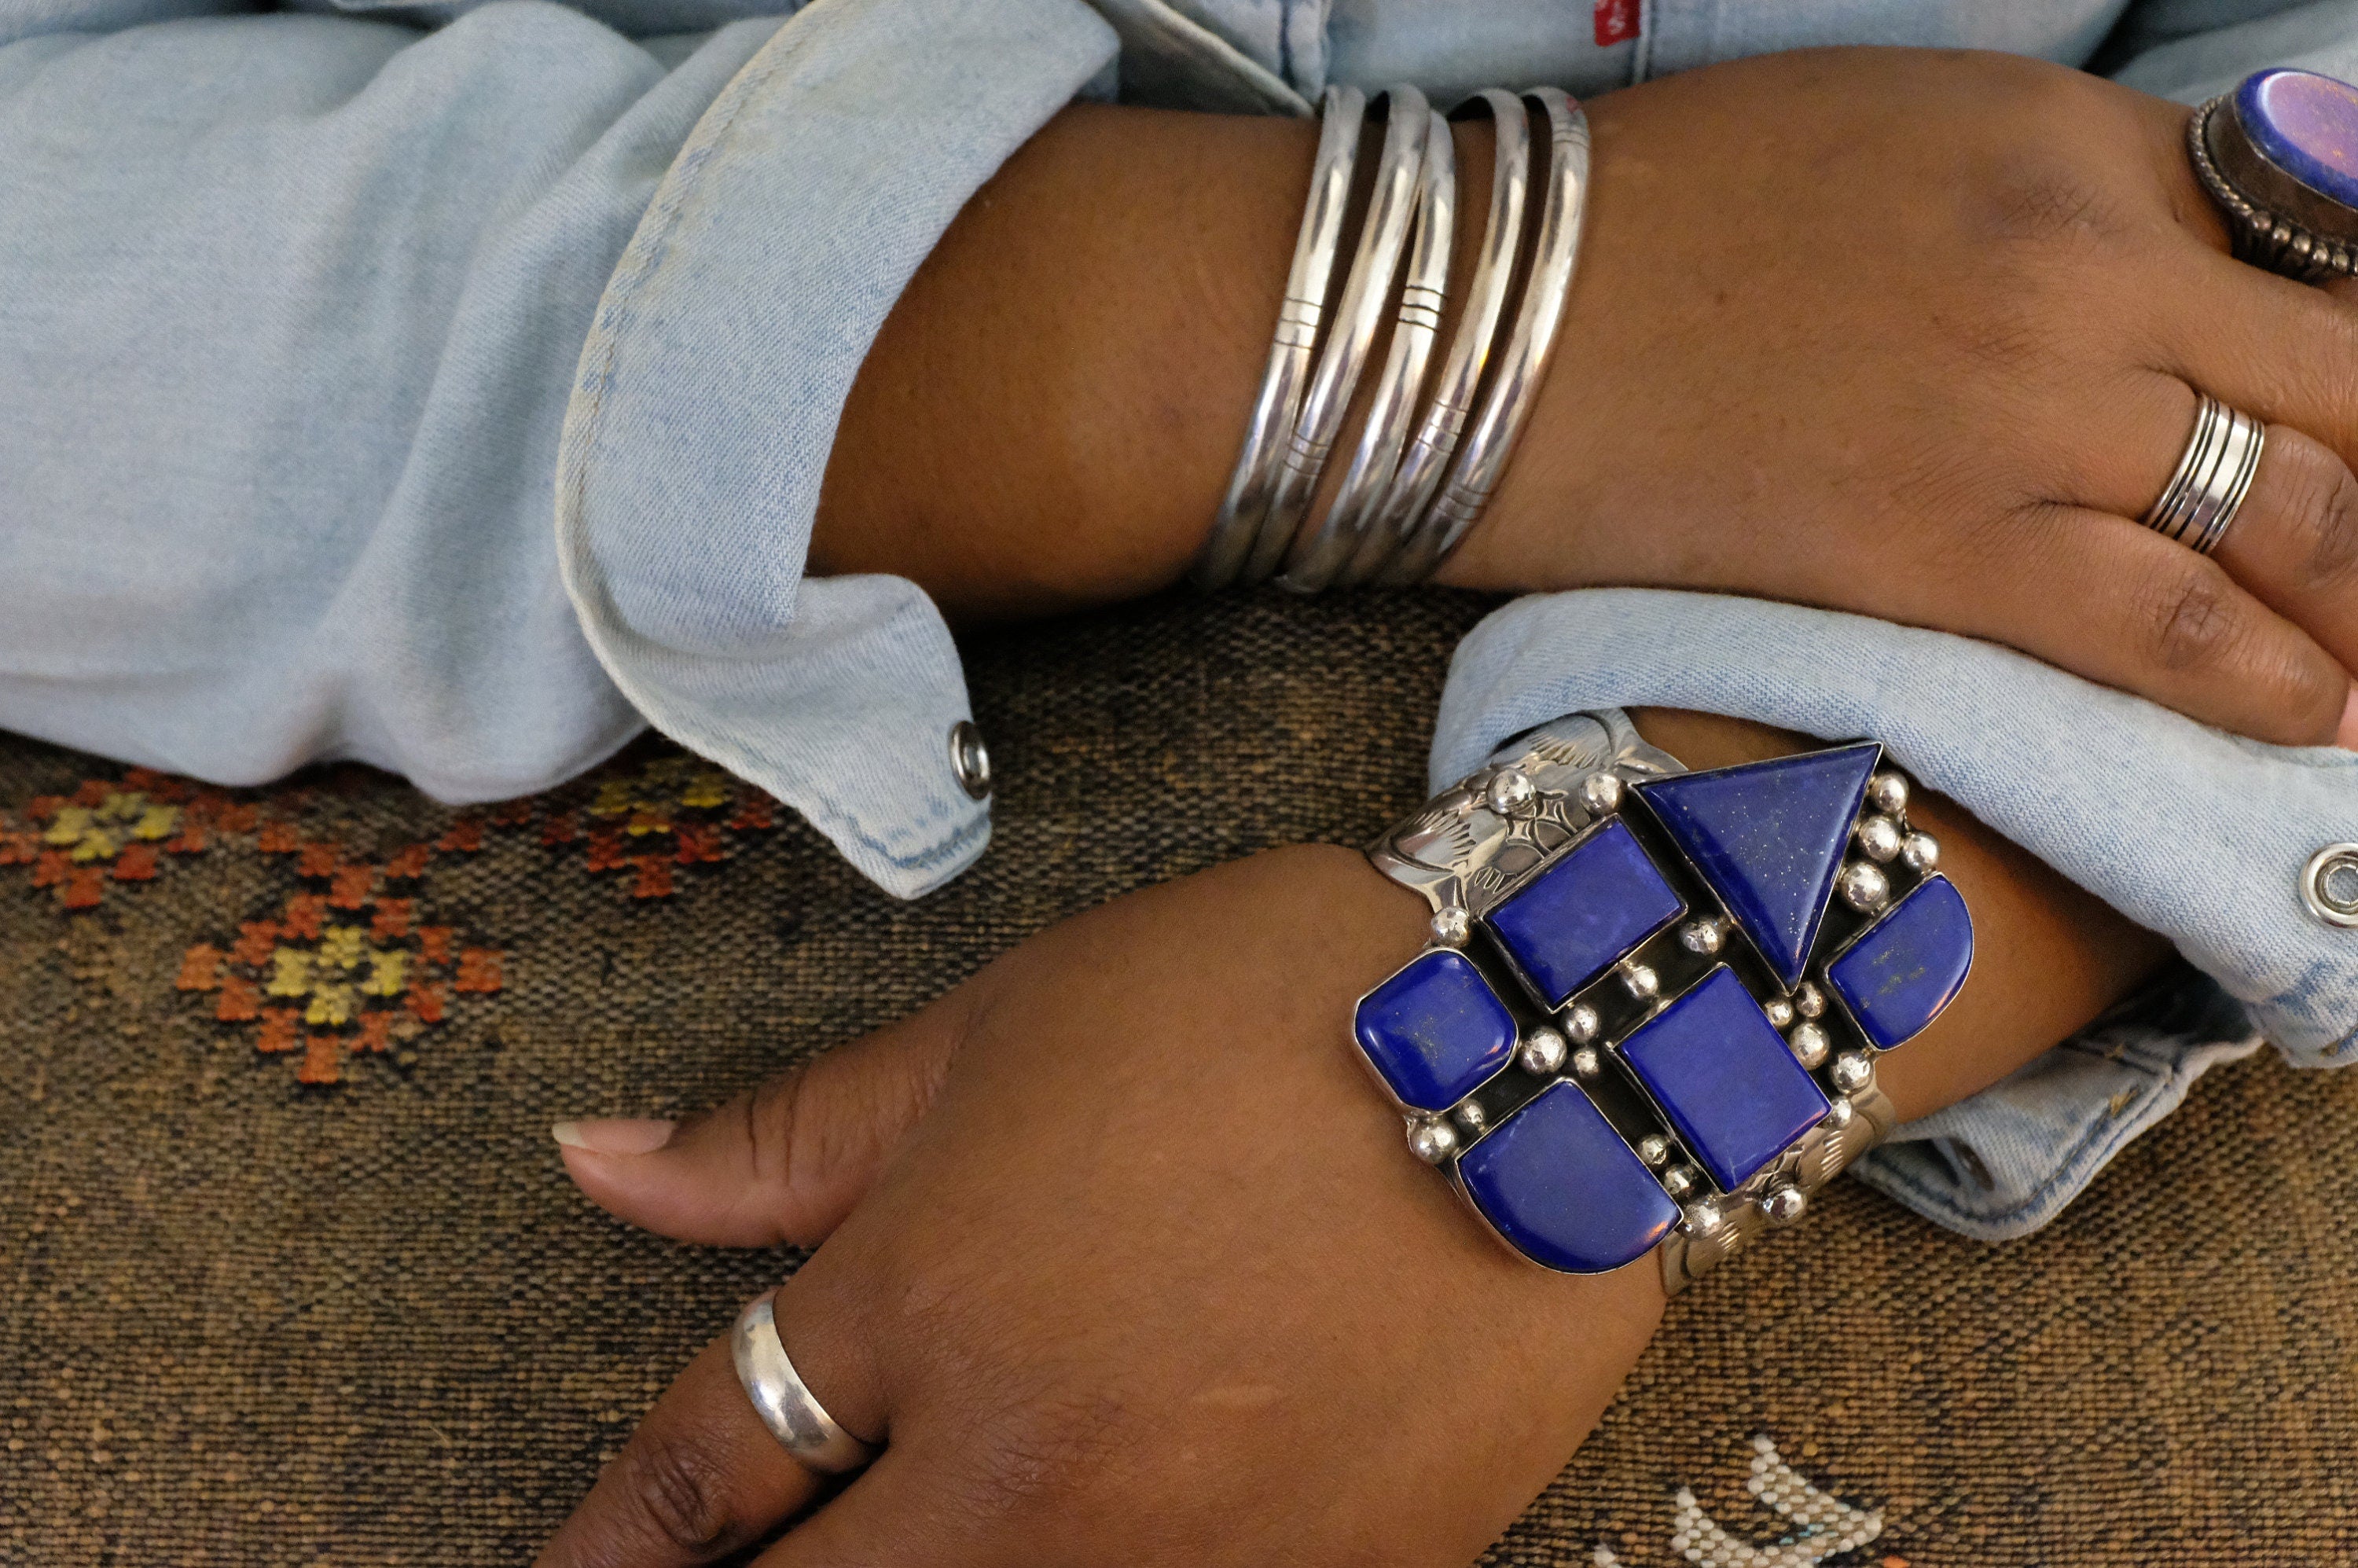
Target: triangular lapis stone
x,y
1770,837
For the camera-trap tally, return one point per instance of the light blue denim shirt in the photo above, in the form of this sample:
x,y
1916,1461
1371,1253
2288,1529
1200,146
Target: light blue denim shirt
x,y
311,320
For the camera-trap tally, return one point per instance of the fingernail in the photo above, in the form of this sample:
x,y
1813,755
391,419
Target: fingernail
x,y
614,1135
2347,735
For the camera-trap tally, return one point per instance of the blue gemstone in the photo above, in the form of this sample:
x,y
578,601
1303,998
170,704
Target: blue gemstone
x,y
1436,1031
1557,1181
2307,125
1584,913
1768,837
1898,977
1724,1077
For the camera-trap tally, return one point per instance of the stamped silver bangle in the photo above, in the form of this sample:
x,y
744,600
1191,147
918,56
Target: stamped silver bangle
x,y
1650,1013
1513,386
1343,357
1393,527
1319,554
1293,348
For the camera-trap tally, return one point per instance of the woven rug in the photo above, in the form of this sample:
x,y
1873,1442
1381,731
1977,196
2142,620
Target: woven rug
x,y
289,1272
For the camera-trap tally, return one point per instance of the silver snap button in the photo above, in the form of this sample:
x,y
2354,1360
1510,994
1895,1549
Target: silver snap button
x,y
970,759
2328,885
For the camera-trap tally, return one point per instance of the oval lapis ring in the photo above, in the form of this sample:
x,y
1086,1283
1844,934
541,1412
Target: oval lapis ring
x,y
2279,156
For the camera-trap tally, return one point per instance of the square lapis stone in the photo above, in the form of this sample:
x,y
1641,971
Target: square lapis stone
x,y
1585,912
1557,1182
1725,1079
1897,977
1436,1031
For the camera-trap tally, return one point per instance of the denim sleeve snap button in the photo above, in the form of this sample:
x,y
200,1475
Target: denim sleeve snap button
x,y
2328,884
970,759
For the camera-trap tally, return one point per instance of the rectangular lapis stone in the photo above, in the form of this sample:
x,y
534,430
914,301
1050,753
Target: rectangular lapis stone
x,y
1585,912
1436,1031
1908,967
1559,1184
1724,1079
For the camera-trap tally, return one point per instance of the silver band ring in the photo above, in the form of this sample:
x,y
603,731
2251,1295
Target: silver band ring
x,y
2214,473
783,1401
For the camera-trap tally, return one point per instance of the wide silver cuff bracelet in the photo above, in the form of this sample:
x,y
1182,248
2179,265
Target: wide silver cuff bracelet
x,y
1650,1010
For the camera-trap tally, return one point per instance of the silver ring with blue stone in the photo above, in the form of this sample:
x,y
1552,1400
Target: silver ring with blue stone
x,y
1650,1013
2279,156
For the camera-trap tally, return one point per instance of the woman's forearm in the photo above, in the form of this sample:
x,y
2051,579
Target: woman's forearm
x,y
1050,413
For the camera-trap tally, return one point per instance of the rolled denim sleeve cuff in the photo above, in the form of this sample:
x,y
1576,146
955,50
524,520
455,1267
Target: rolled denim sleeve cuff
x,y
709,389
2201,836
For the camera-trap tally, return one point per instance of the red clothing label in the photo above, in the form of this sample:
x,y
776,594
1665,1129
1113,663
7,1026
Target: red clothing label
x,y
1617,21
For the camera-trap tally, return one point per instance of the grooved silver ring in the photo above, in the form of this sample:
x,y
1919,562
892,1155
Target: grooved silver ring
x,y
2213,476
783,1401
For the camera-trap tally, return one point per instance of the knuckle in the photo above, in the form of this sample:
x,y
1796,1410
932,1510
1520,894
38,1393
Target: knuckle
x,y
2321,514
2038,200
774,1116
2195,626
675,1485
1041,1455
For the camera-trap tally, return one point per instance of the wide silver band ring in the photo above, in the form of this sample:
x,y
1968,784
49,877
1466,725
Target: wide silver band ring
x,y
783,1401
2213,476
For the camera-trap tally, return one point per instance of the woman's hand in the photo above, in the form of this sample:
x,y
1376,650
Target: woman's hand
x,y
1155,1281
1126,1261
1918,334
1909,333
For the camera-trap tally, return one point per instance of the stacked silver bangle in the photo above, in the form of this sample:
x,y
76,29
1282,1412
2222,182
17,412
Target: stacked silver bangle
x,y
1417,481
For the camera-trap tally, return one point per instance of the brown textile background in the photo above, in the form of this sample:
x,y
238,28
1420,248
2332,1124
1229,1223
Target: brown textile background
x,y
246,1319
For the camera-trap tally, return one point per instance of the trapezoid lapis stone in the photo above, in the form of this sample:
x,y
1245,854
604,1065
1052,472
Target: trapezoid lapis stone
x,y
1769,837
2307,125
1907,966
1436,1031
1724,1077
1584,912
1557,1182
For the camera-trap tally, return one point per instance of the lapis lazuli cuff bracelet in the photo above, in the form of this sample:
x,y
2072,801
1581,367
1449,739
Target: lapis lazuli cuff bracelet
x,y
1651,1007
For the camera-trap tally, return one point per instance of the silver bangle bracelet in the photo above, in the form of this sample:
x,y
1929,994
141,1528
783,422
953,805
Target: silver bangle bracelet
x,y
1318,554
1383,236
1421,469
1491,440
1291,348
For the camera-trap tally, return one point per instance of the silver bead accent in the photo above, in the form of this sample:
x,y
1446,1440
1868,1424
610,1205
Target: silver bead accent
x,y
1452,926
1779,1012
1810,1046
1510,793
1640,981
1839,1117
1783,1205
1702,1219
1887,793
1431,1140
1542,1052
1472,1118
1581,1023
1679,1181
1879,837
1809,1001
1702,936
1586,1063
1921,853
1601,792
1853,1071
1655,1150
1865,888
